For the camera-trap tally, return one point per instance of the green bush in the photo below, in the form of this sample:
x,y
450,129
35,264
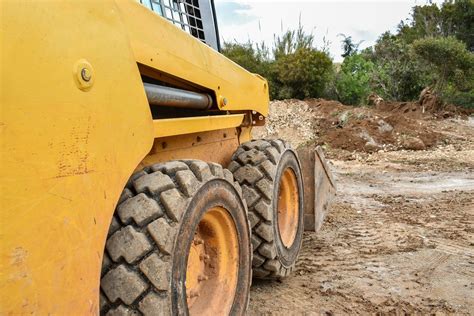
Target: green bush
x,y
459,98
296,69
250,56
433,49
353,80
397,74
302,74
448,57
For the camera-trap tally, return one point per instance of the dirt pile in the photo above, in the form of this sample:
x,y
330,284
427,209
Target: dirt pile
x,y
428,106
388,126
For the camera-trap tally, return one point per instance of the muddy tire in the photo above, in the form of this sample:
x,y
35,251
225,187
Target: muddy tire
x,y
271,180
179,243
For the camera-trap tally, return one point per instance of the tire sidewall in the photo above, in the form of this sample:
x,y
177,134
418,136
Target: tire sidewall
x,y
287,256
216,192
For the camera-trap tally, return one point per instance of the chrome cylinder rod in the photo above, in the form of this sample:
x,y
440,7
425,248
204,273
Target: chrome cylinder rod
x,y
171,97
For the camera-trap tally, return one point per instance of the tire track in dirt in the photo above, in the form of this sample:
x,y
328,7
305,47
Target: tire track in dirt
x,y
399,238
365,258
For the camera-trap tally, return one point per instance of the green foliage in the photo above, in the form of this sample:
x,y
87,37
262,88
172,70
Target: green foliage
x,y
453,18
397,74
348,46
252,57
302,74
458,20
296,68
291,41
434,48
448,57
353,80
425,21
461,98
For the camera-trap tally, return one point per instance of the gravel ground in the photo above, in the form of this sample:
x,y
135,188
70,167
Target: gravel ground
x,y
399,237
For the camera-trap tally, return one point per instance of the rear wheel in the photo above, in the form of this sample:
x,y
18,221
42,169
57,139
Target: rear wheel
x,y
179,243
270,176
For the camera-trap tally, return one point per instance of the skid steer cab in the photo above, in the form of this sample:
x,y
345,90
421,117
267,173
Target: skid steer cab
x,y
129,180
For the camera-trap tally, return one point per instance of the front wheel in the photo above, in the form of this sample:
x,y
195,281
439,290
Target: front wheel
x,y
270,175
179,243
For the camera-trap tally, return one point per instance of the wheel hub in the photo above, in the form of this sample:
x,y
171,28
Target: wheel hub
x,y
288,207
213,262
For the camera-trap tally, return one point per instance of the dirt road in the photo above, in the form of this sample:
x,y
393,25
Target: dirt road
x,y
399,237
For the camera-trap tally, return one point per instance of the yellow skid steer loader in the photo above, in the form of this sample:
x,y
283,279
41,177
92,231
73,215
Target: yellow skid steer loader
x,y
129,180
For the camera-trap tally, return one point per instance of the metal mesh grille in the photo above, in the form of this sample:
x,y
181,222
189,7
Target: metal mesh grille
x,y
185,14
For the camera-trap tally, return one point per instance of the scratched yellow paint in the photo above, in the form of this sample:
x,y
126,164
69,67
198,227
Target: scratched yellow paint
x,y
66,151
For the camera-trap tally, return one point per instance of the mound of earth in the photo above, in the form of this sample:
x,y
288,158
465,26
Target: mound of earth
x,y
387,126
429,105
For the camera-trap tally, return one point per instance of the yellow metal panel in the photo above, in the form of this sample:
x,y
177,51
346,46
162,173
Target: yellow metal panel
x,y
69,144
216,146
67,149
169,127
245,134
161,45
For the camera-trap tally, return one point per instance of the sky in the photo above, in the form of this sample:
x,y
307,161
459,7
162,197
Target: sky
x,y
259,20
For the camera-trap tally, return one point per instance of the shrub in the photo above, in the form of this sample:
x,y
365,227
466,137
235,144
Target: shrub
x,y
353,80
302,74
250,56
448,57
397,75
296,68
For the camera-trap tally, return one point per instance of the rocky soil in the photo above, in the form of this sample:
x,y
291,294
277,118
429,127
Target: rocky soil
x,y
389,126
399,238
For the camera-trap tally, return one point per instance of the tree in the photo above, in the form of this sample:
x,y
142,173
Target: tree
x,y
457,19
449,58
348,46
453,18
397,74
353,80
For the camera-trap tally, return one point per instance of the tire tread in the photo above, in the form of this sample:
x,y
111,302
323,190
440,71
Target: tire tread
x,y
127,286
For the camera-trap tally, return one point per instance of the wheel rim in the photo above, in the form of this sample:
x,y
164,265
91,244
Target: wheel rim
x,y
288,207
213,262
